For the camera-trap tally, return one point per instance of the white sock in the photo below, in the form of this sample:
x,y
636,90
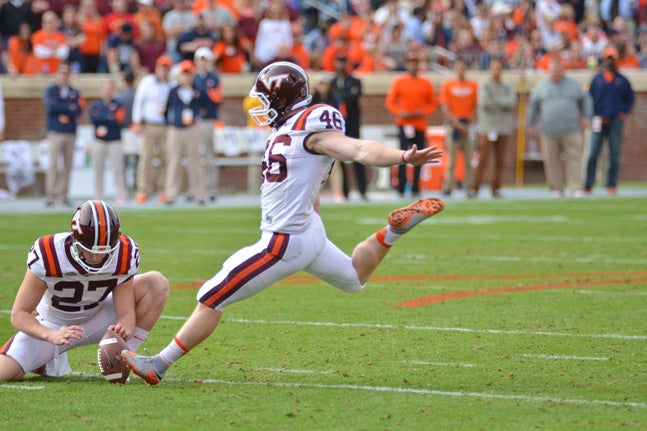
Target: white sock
x,y
137,339
171,353
390,237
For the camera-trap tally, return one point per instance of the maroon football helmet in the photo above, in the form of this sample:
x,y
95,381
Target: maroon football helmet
x,y
282,87
95,229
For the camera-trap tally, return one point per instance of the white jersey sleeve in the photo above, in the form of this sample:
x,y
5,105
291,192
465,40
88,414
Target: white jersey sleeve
x,y
73,295
293,174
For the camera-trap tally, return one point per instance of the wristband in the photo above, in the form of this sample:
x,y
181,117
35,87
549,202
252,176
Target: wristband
x,y
404,162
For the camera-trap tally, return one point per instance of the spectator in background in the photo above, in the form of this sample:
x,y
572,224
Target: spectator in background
x,y
208,82
613,99
119,16
2,116
392,12
148,47
562,109
394,47
63,106
12,15
20,54
413,26
216,17
126,98
75,38
121,55
150,101
339,45
176,22
346,91
198,37
50,44
107,116
232,51
274,33
610,10
627,58
299,51
411,99
248,19
184,110
494,103
458,100
593,43
438,33
642,53
94,28
147,11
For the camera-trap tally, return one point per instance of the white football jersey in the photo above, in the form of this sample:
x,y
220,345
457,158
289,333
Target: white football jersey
x,y
73,295
292,174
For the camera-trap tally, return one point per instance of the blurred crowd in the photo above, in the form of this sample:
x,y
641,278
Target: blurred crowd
x,y
128,36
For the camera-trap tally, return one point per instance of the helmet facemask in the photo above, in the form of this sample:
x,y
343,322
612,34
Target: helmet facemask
x,y
263,115
282,88
76,249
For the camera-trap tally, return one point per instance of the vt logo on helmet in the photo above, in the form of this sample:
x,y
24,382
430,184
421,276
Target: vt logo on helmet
x,y
95,231
282,88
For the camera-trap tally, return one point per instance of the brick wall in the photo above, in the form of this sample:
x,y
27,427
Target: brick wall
x,y
25,120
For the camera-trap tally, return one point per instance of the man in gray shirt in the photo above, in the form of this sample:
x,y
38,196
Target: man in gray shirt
x,y
563,109
495,102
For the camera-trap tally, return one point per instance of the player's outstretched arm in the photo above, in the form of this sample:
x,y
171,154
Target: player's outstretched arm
x,y
335,144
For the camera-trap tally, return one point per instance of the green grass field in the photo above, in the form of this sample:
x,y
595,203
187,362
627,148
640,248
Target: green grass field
x,y
506,315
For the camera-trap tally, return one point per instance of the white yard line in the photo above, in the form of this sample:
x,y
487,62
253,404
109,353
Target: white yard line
x,y
426,328
22,387
439,364
456,394
415,328
574,358
387,389
289,370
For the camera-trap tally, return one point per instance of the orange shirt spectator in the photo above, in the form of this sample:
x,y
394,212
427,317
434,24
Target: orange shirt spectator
x,y
544,60
626,58
342,28
20,54
231,52
301,54
146,11
411,99
338,46
50,44
630,62
460,97
373,61
95,31
118,17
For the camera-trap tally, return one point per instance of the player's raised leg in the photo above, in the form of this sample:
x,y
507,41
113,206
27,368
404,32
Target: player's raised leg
x,y
368,254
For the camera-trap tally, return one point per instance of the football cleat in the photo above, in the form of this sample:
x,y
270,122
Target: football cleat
x,y
404,219
143,366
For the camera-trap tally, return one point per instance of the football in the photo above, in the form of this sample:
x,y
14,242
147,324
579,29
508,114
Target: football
x,y
112,367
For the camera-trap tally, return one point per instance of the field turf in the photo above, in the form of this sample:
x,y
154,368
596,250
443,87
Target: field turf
x,y
493,315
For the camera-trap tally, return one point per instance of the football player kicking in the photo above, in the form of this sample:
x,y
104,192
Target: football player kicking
x,y
80,283
299,154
